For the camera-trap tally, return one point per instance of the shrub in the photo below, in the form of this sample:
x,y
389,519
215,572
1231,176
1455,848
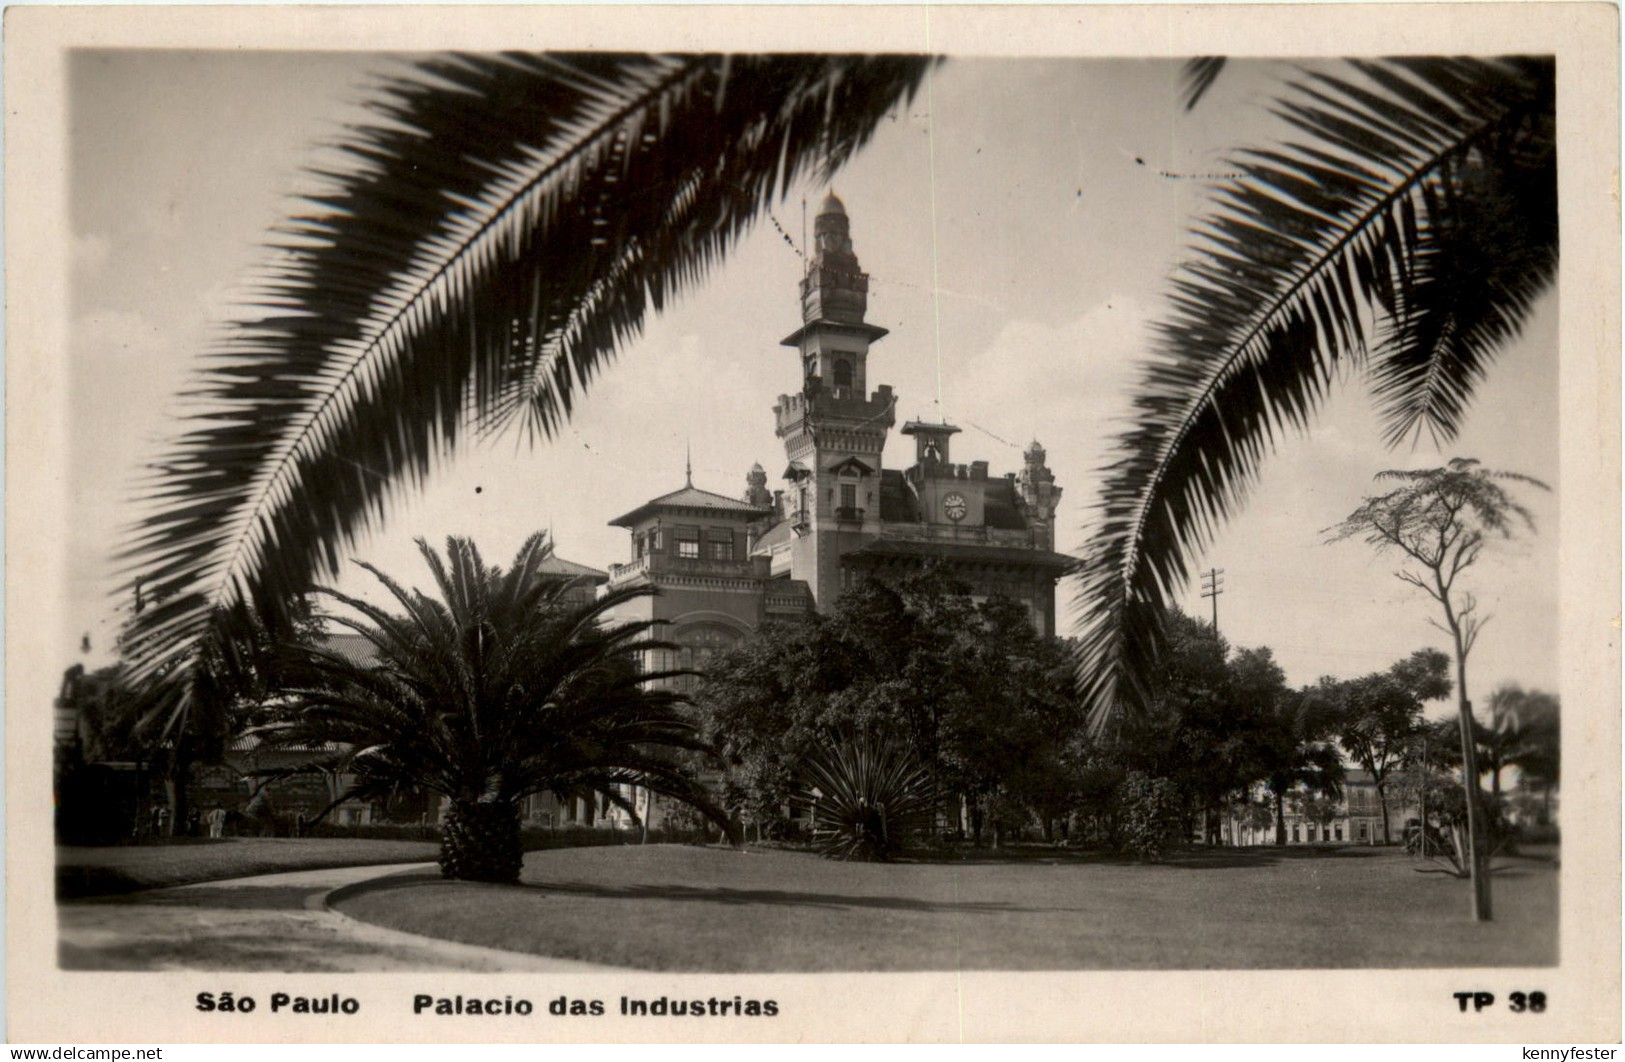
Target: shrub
x,y
1149,815
867,797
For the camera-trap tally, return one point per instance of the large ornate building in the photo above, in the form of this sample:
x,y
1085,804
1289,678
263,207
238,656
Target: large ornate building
x,y
725,566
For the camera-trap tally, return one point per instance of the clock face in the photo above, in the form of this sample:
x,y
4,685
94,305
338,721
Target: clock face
x,y
954,505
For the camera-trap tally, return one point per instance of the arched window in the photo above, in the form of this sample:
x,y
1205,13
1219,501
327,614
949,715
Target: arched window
x,y
701,644
843,373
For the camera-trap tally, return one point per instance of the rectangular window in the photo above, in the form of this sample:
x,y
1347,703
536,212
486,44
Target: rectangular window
x,y
849,495
688,542
719,543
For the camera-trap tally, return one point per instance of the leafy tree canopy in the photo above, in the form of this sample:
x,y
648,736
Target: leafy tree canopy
x,y
979,696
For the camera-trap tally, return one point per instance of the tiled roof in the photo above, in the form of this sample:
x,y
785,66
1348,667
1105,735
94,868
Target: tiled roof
x,y
556,565
691,497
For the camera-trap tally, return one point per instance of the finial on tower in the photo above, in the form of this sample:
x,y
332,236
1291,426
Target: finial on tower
x,y
688,463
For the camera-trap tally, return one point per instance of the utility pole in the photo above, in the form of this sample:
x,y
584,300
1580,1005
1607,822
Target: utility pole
x,y
1424,789
1212,587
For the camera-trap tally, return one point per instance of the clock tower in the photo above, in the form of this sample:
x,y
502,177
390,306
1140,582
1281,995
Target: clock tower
x,y
833,429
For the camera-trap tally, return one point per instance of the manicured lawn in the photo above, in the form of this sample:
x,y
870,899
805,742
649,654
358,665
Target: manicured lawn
x,y
126,868
686,908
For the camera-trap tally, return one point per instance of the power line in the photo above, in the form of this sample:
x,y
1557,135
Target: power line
x,y
786,236
1212,587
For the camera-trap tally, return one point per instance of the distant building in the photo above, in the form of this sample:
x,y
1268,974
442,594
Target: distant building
x,y
1356,817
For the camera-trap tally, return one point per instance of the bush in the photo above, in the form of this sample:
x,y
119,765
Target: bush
x,y
867,798
1150,815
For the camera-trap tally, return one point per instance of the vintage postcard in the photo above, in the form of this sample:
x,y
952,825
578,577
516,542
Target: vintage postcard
x,y
799,523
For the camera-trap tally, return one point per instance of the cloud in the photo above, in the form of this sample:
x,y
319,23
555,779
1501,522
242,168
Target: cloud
x,y
1066,385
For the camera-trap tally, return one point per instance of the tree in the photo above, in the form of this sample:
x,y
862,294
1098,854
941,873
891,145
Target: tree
x,y
1439,520
981,699
1419,195
1516,727
1317,808
1379,715
1296,753
1538,759
197,702
496,688
1207,728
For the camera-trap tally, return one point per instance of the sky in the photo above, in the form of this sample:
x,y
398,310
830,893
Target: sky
x,y
1018,221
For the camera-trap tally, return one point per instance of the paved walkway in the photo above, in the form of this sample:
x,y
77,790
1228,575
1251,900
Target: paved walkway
x,y
270,922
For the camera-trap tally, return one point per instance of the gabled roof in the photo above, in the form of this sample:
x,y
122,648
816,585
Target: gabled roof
x,y
556,565
855,465
691,498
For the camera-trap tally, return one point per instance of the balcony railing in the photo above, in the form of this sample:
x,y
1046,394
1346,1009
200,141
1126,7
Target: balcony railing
x,y
991,536
666,564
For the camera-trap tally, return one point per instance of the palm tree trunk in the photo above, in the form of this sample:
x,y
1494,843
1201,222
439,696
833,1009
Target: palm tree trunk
x,y
1280,819
480,841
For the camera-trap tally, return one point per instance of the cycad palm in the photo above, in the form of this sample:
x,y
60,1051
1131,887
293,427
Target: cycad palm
x,y
498,687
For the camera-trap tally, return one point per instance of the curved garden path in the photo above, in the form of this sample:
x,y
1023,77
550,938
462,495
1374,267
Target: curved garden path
x,y
270,922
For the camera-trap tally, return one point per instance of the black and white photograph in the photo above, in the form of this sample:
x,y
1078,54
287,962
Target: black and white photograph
x,y
600,513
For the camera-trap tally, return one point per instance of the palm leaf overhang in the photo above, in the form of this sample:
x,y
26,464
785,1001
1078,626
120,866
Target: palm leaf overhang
x,y
495,235
1404,232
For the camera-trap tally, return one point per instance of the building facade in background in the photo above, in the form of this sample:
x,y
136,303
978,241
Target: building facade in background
x,y
724,566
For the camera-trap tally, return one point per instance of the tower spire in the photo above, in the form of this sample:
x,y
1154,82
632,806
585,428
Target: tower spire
x,y
688,463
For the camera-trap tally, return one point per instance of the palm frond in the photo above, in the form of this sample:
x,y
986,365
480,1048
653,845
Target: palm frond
x,y
1198,76
500,230
1376,213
